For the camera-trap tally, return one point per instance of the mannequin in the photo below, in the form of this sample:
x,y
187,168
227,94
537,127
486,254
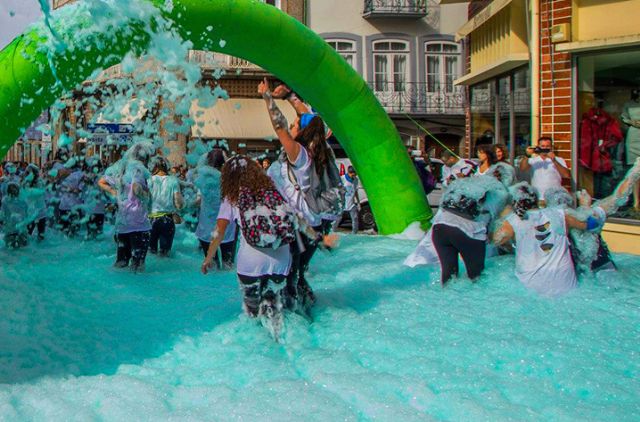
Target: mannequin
x,y
599,134
631,117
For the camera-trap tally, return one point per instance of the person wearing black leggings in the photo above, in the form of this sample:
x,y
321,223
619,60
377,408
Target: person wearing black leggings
x,y
132,248
450,242
166,201
460,229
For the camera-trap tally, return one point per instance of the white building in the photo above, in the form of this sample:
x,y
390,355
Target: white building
x,y
406,51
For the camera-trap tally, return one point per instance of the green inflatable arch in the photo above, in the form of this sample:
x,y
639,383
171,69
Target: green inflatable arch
x,y
263,35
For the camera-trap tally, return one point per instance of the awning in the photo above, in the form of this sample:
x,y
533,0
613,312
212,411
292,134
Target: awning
x,y
481,18
510,62
236,119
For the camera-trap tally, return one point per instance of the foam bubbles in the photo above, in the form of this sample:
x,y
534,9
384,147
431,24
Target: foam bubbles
x,y
387,342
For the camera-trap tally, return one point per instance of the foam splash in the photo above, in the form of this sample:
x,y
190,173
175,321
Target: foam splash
x,y
412,232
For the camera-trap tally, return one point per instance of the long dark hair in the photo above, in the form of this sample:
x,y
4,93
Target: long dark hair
x,y
32,169
216,158
159,164
505,152
313,138
488,150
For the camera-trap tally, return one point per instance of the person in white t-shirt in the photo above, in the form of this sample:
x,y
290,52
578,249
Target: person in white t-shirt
x,y
543,256
455,167
546,168
305,151
166,201
262,272
352,201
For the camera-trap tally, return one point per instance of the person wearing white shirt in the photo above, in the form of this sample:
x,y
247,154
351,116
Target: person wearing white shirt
x,y
262,271
547,169
543,256
305,151
454,167
352,201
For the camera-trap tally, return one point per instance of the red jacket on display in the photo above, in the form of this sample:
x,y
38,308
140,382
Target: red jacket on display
x,y
598,132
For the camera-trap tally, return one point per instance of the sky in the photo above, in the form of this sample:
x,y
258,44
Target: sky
x,y
26,12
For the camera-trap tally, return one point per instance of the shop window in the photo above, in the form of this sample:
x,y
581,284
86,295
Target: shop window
x,y
390,66
442,65
500,112
483,113
346,48
608,119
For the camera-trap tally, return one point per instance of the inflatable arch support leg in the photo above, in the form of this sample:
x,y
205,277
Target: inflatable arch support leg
x,y
263,35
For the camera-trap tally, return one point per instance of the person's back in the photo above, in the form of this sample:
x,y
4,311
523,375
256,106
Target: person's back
x,y
71,189
543,256
163,189
14,214
35,196
132,214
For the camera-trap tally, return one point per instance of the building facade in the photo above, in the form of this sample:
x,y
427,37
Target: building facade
x,y
569,69
407,52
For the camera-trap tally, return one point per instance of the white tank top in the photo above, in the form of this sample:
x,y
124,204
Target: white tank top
x,y
543,258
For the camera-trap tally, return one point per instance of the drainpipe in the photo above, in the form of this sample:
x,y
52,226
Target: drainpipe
x,y
534,60
305,12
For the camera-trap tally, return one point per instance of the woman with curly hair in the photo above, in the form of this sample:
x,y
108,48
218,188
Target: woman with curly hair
x,y
250,198
487,159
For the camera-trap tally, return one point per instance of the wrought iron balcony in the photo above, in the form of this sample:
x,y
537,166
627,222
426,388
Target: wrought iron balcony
x,y
210,60
412,9
484,101
419,98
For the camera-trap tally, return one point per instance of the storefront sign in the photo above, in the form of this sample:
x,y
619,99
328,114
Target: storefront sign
x,y
110,133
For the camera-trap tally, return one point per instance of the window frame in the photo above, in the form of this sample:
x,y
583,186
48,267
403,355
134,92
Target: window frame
x,y
390,84
441,83
352,52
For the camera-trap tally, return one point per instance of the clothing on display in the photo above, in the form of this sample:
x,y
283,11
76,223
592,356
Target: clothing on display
x,y
631,117
599,132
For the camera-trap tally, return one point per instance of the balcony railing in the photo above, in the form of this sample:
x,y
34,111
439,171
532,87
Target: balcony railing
x,y
419,98
483,101
210,60
414,9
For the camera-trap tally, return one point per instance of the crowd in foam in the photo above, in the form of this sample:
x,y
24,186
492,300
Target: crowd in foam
x,y
485,211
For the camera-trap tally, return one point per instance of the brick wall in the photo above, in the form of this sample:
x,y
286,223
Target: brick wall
x,y
555,79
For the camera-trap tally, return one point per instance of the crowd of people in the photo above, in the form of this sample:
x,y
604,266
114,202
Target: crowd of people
x,y
490,207
268,219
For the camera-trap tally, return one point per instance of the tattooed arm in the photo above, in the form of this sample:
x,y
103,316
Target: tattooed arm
x,y
279,122
284,92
